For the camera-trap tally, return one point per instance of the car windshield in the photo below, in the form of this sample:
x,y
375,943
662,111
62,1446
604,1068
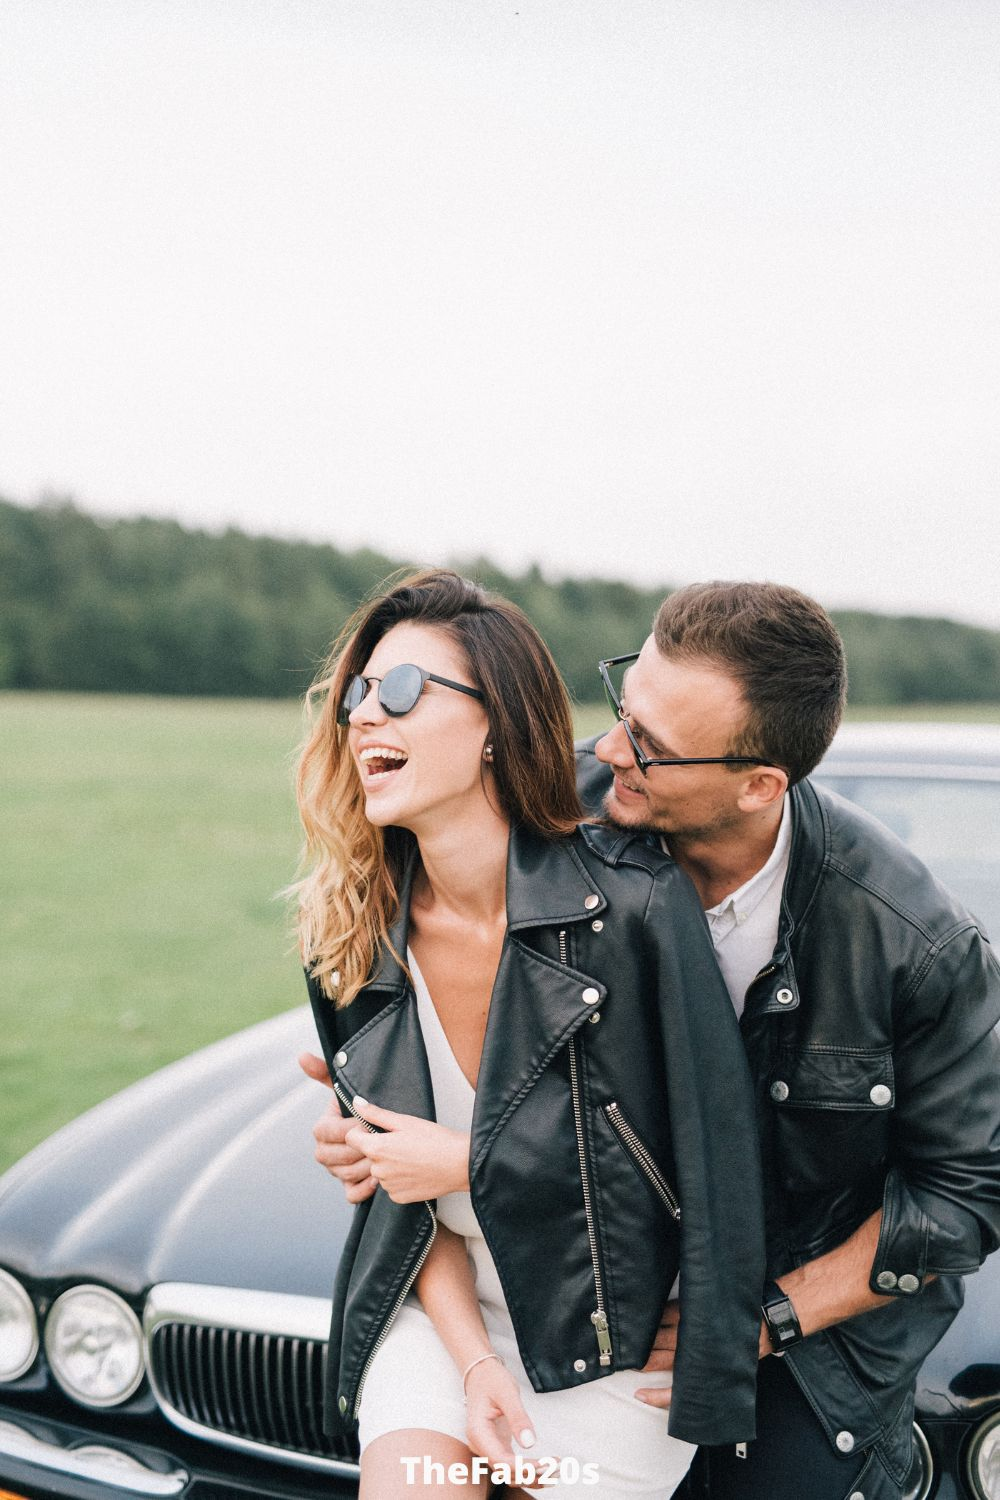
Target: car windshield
x,y
953,826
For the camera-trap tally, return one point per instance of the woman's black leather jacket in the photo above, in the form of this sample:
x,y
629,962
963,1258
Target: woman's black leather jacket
x,y
613,1138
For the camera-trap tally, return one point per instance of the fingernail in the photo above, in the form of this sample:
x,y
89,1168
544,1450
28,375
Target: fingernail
x,y
527,1438
359,1103
640,1397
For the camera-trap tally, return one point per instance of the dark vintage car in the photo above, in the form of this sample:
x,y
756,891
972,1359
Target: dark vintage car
x,y
166,1260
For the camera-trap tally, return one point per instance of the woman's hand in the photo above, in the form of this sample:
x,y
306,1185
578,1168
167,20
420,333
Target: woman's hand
x,y
350,1167
493,1412
411,1158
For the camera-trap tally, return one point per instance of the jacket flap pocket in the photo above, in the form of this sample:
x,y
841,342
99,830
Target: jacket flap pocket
x,y
831,1078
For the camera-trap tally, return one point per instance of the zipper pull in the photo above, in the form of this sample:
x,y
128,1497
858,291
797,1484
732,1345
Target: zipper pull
x,y
600,1322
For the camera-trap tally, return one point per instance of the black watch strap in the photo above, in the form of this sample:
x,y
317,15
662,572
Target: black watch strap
x,y
779,1315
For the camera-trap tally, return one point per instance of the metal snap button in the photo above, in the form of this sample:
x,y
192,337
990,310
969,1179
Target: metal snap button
x,y
595,1017
779,1091
880,1094
590,996
784,997
855,1495
342,1405
579,1365
886,1280
597,926
909,1283
591,902
340,1058
845,1441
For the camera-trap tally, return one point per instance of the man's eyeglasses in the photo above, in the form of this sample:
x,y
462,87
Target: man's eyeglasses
x,y
644,761
398,691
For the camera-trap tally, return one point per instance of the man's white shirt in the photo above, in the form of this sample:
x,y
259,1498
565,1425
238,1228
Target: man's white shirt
x,y
744,926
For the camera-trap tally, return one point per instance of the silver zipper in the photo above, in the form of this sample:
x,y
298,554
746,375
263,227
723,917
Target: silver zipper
x,y
405,1290
641,1156
599,1317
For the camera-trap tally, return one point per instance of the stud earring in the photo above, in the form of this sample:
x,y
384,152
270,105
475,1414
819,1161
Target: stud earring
x,y
488,752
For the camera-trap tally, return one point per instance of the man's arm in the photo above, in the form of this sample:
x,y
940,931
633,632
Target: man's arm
x,y
827,1290
941,1202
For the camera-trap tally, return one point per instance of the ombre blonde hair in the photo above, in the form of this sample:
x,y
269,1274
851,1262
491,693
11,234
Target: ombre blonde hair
x,y
350,894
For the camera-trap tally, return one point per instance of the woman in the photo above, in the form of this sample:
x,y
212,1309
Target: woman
x,y
478,960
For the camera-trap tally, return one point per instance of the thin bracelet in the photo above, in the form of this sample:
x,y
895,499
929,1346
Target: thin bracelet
x,y
481,1360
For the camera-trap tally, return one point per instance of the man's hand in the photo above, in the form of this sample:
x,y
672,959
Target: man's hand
x,y
411,1158
349,1166
314,1067
662,1356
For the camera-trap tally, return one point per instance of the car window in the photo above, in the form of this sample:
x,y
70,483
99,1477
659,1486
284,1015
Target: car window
x,y
953,826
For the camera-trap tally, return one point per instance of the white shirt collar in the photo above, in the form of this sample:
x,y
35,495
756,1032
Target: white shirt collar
x,y
741,902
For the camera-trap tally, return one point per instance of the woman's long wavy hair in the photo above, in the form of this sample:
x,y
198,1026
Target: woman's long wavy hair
x,y
349,896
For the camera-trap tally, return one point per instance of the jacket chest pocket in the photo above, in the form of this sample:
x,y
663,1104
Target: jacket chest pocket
x,y
831,1110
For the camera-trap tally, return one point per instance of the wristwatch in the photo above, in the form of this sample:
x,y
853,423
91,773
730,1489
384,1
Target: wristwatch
x,y
779,1315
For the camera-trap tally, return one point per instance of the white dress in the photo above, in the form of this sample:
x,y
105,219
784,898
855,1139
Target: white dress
x,y
413,1383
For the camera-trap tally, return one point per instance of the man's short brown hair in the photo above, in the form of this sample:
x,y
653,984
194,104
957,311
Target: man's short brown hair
x,y
784,651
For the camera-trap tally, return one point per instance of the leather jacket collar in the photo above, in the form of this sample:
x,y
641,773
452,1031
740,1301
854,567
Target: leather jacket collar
x,y
547,886
805,867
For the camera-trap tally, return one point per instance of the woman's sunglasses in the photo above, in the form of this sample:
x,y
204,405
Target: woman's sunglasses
x,y
398,691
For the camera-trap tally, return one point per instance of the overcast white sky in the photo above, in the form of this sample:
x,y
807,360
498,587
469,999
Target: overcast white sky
x,y
668,288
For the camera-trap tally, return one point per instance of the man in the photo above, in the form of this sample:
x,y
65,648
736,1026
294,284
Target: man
x,y
867,1001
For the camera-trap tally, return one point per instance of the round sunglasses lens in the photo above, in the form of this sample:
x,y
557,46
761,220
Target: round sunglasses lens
x,y
400,688
354,694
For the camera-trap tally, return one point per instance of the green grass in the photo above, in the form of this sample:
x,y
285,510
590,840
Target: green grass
x,y
144,841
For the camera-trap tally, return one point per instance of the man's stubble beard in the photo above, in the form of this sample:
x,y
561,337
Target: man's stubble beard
x,y
696,834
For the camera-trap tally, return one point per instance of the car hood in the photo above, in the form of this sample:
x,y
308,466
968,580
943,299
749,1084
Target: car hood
x,y
202,1172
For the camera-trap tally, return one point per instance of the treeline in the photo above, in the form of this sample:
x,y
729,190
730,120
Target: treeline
x,y
149,606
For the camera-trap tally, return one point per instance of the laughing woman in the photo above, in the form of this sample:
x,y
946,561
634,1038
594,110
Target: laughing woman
x,y
478,960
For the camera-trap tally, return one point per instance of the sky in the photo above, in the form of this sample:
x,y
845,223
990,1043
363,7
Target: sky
x,y
660,289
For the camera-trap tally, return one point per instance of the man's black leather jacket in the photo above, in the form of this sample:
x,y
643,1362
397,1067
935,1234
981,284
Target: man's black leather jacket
x,y
877,1075
613,1086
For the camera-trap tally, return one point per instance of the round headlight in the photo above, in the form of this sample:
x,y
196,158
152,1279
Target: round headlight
x,y
18,1329
94,1346
984,1459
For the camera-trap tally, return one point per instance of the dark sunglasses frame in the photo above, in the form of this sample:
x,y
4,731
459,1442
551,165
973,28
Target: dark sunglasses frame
x,y
644,761
344,712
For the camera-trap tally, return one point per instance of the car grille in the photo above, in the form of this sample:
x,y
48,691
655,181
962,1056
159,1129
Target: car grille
x,y
247,1387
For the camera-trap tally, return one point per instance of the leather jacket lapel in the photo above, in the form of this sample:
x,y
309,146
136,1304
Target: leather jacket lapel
x,y
385,1062
536,1006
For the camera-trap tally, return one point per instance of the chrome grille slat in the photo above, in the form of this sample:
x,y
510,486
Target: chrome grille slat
x,y
228,1417
299,1412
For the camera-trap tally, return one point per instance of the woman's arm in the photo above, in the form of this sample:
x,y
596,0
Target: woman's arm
x,y
447,1291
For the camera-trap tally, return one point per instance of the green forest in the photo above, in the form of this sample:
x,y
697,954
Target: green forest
x,y
149,606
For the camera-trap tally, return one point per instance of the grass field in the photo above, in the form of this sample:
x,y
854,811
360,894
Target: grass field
x,y
144,842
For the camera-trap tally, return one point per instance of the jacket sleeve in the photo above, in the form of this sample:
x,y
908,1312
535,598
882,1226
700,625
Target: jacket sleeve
x,y
711,1110
941,1203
